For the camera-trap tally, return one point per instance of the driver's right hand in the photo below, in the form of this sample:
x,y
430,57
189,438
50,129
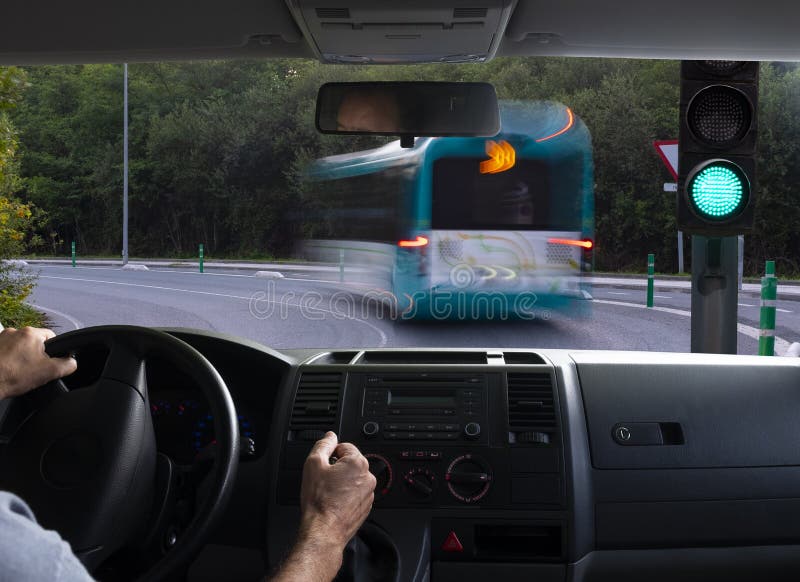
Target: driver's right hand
x,y
335,499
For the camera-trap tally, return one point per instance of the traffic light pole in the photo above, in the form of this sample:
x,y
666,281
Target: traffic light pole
x,y
714,294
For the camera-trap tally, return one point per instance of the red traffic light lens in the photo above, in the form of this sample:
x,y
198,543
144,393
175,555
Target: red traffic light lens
x,y
719,116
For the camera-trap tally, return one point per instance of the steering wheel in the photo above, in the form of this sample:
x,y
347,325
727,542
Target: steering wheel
x,y
86,459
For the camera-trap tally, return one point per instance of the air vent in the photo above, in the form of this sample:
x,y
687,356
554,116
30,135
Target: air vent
x,y
419,358
522,358
316,405
468,12
531,408
333,358
333,13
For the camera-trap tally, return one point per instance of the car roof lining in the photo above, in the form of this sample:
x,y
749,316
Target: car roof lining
x,y
93,31
96,31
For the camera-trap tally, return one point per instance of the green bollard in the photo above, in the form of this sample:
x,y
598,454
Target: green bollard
x,y
769,293
201,257
651,266
73,254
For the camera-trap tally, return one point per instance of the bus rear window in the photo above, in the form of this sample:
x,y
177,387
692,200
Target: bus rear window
x,y
533,195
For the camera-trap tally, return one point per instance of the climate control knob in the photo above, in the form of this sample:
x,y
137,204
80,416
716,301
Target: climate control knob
x,y
472,429
468,478
420,483
382,469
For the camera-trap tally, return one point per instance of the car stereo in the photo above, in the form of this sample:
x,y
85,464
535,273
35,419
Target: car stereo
x,y
423,407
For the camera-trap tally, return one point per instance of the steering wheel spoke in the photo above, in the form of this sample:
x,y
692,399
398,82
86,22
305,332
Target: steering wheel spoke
x,y
169,517
126,364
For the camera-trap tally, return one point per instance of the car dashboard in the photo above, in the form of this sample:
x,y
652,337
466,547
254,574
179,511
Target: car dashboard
x,y
560,465
517,464
550,464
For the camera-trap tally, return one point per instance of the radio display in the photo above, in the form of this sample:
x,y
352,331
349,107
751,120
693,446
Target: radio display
x,y
408,398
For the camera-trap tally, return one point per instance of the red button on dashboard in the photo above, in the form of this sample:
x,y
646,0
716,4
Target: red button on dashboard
x,y
452,543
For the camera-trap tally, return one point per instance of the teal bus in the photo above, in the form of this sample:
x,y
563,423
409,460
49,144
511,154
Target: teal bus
x,y
466,228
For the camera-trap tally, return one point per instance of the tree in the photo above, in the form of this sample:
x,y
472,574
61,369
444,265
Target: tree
x,y
16,218
218,148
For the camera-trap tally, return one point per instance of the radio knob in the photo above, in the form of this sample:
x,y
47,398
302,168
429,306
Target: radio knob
x,y
472,429
370,428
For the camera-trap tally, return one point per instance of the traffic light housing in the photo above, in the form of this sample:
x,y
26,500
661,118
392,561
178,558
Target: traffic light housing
x,y
717,147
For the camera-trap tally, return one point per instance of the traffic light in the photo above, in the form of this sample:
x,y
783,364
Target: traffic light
x,y
717,147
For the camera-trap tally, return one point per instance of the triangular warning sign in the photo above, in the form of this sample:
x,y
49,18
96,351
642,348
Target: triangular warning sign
x,y
668,150
452,543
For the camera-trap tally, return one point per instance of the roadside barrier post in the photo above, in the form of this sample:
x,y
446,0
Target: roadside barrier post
x,y
73,254
201,257
341,265
651,265
769,293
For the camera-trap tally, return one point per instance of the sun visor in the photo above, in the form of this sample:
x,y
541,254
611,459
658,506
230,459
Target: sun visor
x,y
413,31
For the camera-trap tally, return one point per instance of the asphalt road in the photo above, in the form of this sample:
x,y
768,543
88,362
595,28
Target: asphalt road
x,y
302,311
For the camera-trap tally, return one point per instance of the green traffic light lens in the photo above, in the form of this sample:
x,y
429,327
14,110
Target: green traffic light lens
x,y
719,190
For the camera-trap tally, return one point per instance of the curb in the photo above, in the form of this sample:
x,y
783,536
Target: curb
x,y
662,277
673,289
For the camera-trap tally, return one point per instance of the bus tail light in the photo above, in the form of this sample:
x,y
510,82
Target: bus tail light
x,y
586,244
420,241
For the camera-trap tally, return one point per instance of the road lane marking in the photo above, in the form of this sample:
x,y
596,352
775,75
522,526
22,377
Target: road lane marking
x,y
74,322
783,310
617,293
781,345
40,266
207,274
662,296
383,341
745,305
118,269
284,278
199,273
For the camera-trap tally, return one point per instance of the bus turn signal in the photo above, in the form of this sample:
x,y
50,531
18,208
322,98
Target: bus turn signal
x,y
502,157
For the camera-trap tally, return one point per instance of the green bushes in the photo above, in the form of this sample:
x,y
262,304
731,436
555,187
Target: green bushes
x,y
16,282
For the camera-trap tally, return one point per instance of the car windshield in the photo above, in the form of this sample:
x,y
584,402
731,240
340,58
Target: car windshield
x,y
200,195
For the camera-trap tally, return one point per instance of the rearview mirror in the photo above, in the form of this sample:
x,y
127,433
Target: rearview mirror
x,y
410,109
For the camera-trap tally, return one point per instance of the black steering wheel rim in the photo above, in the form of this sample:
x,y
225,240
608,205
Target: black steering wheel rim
x,y
129,347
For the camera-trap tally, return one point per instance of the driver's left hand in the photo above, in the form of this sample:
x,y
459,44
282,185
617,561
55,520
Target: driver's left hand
x,y
24,365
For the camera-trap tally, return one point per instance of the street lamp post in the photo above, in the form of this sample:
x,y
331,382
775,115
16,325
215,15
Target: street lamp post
x,y
125,172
